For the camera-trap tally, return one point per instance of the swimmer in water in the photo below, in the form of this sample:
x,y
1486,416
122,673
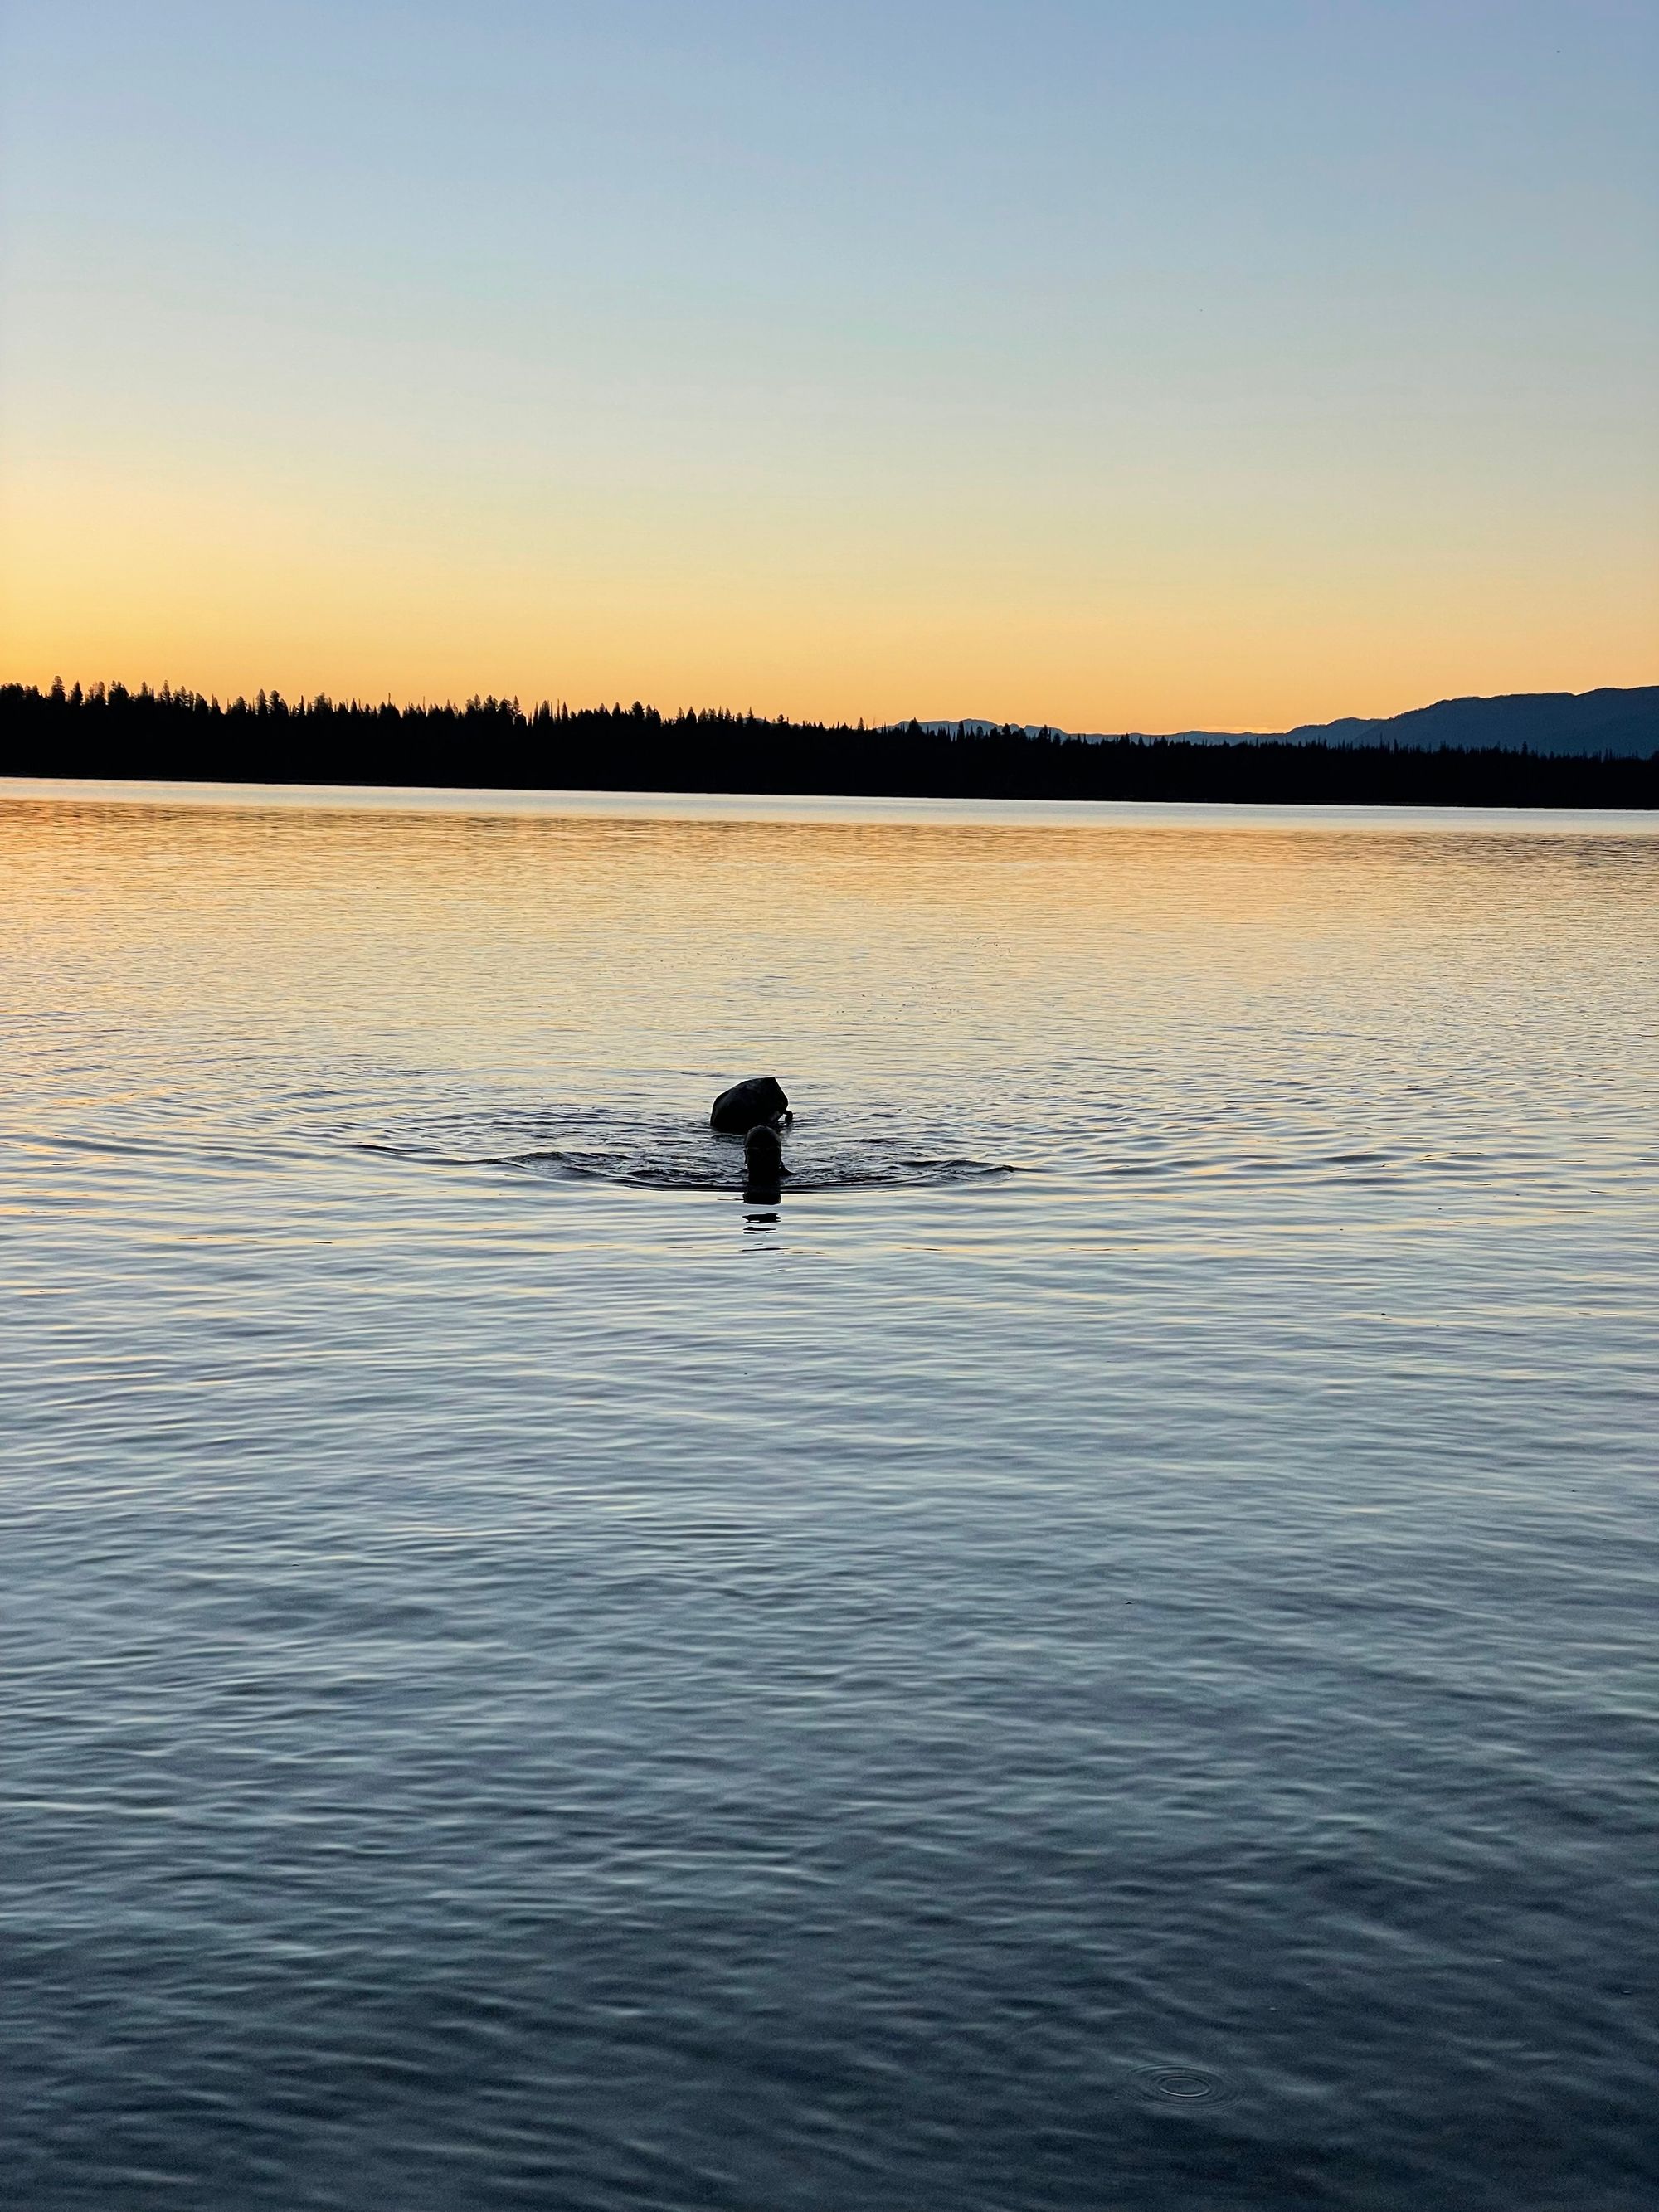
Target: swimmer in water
x,y
762,1161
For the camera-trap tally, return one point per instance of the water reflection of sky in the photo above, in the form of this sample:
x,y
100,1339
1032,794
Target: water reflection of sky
x,y
961,1692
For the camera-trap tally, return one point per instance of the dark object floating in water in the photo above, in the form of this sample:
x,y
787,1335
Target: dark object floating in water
x,y
757,1098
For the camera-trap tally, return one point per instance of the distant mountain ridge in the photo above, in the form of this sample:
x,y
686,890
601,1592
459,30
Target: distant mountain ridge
x,y
1624,722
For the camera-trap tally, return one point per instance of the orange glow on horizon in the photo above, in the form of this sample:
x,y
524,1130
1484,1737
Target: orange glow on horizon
x,y
232,591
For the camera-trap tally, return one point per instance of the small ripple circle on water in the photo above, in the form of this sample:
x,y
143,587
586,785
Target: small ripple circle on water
x,y
1179,2084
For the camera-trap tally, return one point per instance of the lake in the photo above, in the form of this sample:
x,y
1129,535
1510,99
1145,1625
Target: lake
x,y
1098,1653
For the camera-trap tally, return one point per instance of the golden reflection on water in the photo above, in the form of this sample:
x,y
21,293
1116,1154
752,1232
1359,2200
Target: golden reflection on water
x,y
535,939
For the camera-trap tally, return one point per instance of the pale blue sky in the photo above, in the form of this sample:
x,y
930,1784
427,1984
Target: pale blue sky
x,y
1125,365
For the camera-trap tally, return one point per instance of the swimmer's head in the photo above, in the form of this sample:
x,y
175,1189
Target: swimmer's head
x,y
762,1154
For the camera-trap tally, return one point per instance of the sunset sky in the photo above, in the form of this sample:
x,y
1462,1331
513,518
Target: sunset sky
x,y
1144,364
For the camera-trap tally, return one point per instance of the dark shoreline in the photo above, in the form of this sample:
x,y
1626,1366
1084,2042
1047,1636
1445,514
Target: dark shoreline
x,y
168,736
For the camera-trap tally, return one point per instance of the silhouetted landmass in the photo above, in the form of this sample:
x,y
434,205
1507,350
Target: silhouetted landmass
x,y
167,735
1611,720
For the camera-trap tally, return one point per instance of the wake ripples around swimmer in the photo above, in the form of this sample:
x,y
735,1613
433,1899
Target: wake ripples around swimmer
x,y
835,1148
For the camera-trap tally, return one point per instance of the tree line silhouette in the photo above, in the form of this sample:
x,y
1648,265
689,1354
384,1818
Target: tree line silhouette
x,y
166,734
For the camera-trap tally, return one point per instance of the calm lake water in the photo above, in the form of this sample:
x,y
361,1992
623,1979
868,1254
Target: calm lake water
x,y
1099,1654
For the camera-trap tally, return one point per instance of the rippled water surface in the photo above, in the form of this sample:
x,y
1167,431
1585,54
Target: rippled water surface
x,y
1098,1653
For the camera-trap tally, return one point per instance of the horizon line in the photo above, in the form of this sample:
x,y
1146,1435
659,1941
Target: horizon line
x,y
548,708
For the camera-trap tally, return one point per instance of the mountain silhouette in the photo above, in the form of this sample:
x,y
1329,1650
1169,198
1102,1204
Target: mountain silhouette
x,y
1581,724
